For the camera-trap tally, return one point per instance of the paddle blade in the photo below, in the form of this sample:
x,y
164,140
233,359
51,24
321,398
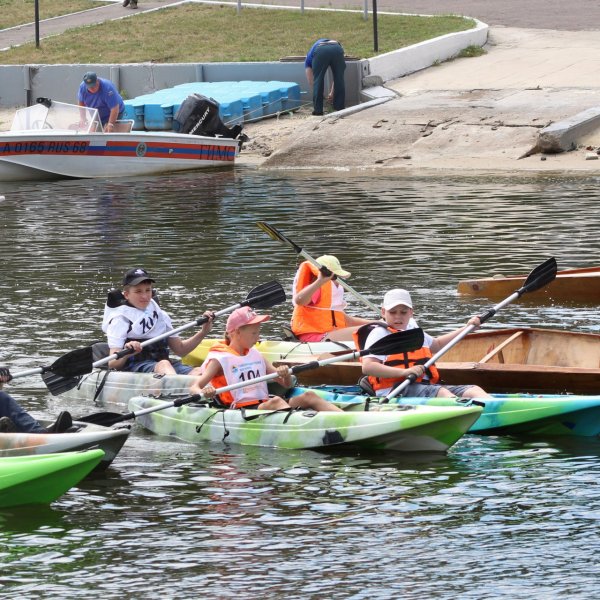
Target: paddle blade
x,y
106,419
74,363
275,234
57,384
265,295
540,276
401,341
64,373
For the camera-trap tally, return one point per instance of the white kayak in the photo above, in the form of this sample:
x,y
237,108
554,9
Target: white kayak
x,y
84,437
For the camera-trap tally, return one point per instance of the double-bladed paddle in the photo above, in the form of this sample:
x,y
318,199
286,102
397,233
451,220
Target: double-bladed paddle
x,y
402,341
63,375
275,234
542,275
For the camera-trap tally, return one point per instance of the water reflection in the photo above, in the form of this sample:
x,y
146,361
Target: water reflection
x,y
496,517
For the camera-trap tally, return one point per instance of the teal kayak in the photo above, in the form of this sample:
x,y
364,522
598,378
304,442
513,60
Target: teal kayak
x,y
415,429
506,414
42,478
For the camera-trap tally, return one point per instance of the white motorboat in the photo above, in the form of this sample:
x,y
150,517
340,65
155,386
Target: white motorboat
x,y
58,140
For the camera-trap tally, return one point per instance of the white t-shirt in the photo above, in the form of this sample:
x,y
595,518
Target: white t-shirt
x,y
127,322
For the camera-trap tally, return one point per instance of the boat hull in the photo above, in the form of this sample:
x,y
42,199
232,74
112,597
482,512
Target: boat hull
x,y
43,478
506,414
117,387
47,154
109,440
418,429
570,285
500,360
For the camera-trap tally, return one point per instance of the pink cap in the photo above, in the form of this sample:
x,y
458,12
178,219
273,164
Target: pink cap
x,y
244,316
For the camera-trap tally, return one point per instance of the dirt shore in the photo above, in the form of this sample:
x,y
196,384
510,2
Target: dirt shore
x,y
380,139
466,115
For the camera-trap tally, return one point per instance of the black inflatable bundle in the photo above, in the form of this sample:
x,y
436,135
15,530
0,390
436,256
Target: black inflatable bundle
x,y
199,115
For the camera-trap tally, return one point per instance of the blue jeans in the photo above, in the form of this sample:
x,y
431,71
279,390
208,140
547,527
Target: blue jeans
x,y
428,390
329,56
24,422
147,366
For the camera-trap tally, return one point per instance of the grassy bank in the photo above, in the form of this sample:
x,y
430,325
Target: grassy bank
x,y
19,12
196,33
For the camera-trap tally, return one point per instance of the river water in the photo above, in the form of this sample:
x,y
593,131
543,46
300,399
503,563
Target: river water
x,y
495,518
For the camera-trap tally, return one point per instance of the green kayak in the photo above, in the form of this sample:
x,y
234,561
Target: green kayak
x,y
42,478
505,414
414,429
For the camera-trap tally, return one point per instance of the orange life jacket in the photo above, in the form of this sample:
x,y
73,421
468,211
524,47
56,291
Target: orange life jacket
x,y
319,317
404,360
231,362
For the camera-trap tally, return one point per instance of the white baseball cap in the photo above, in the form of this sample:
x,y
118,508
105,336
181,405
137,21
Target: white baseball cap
x,y
395,298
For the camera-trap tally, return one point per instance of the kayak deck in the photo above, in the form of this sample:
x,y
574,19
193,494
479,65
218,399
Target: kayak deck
x,y
43,478
109,439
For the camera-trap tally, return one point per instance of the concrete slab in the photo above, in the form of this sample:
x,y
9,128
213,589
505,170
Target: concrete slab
x,y
517,59
481,113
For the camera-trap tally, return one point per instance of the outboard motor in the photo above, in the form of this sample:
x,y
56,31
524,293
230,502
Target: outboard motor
x,y
199,115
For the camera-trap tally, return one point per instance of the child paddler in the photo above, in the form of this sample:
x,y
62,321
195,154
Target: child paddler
x,y
235,360
140,318
386,372
319,305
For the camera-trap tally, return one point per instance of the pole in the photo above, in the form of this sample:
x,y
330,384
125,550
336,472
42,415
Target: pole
x,y
37,23
375,40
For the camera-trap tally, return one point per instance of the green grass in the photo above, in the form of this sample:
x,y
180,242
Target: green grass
x,y
196,33
19,12
471,52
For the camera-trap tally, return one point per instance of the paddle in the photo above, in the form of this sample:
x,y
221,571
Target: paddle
x,y
402,341
63,375
542,275
275,234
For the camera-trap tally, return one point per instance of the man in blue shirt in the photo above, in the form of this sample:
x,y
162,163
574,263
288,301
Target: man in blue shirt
x,y
101,94
325,54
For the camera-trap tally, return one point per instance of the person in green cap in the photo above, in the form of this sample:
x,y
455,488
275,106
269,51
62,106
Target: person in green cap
x,y
319,305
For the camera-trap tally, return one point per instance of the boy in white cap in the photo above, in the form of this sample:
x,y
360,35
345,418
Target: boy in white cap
x,y
319,303
236,360
386,372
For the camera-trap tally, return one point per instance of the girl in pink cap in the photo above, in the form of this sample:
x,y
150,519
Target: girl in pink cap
x,y
236,360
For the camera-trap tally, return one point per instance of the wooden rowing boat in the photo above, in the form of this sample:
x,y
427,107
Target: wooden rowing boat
x,y
501,360
574,285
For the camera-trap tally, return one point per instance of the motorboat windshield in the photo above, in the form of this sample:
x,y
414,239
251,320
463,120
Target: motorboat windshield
x,y
57,116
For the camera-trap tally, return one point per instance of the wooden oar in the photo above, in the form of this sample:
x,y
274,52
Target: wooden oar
x,y
64,373
402,341
542,275
275,234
